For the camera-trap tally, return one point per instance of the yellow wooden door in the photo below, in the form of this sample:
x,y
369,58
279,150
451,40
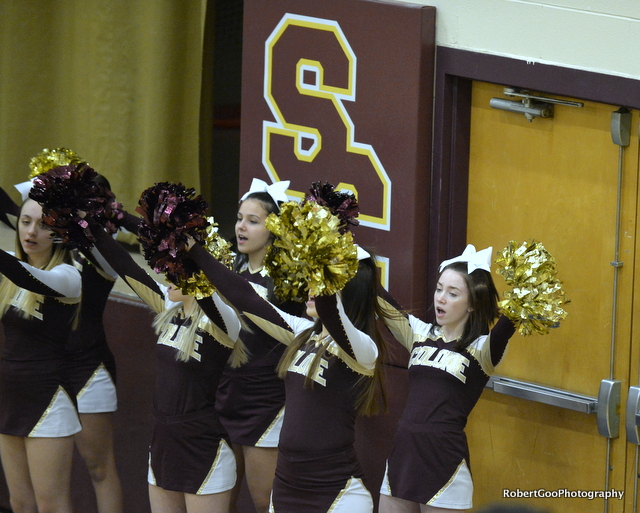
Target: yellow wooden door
x,y
556,180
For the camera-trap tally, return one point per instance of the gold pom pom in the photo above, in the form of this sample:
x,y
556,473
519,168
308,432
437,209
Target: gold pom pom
x,y
197,285
535,302
309,255
46,160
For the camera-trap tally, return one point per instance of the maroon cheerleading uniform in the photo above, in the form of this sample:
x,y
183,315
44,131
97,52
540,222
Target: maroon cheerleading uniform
x,y
251,397
87,353
188,444
33,399
317,469
429,460
90,367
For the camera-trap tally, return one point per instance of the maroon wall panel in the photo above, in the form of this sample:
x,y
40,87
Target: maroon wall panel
x,y
342,92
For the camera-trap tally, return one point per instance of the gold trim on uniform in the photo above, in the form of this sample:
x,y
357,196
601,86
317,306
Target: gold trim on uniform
x,y
267,431
153,299
349,361
448,483
483,354
46,412
283,335
68,300
213,467
90,380
398,323
216,332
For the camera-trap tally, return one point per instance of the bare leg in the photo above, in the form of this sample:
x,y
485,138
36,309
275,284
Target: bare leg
x,y
395,505
235,492
211,503
432,509
16,470
166,501
95,444
50,468
260,469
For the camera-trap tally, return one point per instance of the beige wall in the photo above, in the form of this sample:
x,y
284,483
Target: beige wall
x,y
599,35
117,81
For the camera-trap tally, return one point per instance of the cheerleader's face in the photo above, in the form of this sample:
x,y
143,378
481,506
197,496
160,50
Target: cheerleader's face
x,y
36,238
311,307
175,294
251,233
451,303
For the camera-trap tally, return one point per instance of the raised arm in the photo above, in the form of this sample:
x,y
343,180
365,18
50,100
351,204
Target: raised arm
x,y
131,222
223,317
8,207
499,338
403,326
239,292
61,281
488,350
358,350
122,263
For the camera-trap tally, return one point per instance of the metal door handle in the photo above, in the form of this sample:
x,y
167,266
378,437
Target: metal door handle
x,y
543,394
609,408
606,406
631,416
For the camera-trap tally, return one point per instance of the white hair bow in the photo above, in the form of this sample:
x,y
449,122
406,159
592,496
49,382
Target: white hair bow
x,y
277,190
475,259
362,253
24,188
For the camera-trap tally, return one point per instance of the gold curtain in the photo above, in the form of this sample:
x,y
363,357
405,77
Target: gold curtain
x,y
117,81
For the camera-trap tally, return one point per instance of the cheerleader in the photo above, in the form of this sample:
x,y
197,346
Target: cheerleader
x,y
191,463
39,295
90,367
451,361
251,397
331,370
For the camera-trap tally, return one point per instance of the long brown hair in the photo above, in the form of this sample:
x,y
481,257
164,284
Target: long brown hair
x,y
360,301
483,301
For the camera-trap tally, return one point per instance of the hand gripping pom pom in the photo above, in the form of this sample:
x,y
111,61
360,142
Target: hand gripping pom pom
x,y
534,304
66,192
309,255
198,285
342,204
171,214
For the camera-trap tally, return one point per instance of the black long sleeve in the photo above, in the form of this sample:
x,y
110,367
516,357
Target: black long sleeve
x,y
8,207
234,288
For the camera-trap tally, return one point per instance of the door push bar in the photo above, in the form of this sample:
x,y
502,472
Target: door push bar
x,y
632,416
606,406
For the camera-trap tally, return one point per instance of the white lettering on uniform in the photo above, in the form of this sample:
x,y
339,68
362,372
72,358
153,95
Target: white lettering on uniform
x,y
20,298
302,363
173,338
443,359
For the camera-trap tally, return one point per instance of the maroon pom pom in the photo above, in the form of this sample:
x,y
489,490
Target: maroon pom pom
x,y
170,215
66,192
341,204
